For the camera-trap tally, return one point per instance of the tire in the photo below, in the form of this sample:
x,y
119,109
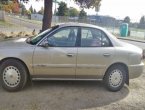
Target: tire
x,y
115,78
13,75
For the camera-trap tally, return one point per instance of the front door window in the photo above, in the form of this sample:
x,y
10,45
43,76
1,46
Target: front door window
x,y
65,37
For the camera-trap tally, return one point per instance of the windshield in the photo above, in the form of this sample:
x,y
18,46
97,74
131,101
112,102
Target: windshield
x,y
35,39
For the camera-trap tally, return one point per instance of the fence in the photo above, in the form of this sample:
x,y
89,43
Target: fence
x,y
17,23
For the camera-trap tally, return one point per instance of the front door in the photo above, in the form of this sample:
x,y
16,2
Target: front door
x,y
58,60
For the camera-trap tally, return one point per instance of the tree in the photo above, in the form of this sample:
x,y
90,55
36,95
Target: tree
x,y
47,17
62,9
73,12
28,13
4,2
10,6
15,7
88,3
127,19
48,9
31,9
1,6
41,11
34,11
142,22
82,14
23,9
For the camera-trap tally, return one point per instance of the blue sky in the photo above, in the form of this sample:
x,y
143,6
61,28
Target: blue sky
x,y
115,8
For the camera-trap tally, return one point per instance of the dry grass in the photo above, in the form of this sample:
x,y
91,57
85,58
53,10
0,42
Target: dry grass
x,y
20,34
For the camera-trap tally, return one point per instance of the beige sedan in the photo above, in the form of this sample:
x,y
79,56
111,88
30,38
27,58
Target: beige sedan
x,y
69,52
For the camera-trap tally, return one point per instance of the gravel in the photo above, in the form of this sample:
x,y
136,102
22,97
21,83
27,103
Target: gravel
x,y
75,95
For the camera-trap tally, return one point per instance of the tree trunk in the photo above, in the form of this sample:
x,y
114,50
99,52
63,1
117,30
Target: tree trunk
x,y
47,17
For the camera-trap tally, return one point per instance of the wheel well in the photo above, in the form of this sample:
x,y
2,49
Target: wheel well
x,y
17,60
125,67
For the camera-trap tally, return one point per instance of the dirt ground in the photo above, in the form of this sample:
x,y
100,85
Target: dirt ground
x,y
70,95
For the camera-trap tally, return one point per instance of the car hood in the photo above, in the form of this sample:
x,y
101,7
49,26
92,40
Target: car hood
x,y
17,43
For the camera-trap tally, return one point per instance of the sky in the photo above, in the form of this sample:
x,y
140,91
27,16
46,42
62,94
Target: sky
x,y
115,8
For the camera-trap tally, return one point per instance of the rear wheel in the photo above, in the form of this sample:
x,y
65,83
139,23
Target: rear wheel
x,y
115,78
13,75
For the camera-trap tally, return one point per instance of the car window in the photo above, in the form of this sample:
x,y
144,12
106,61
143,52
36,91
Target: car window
x,y
91,37
105,41
86,34
65,37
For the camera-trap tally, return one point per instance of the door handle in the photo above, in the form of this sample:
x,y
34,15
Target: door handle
x,y
106,55
70,55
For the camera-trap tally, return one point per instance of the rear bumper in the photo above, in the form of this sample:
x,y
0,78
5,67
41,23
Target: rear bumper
x,y
135,70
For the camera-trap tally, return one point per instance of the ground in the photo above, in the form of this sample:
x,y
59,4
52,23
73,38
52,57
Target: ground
x,y
72,95
75,95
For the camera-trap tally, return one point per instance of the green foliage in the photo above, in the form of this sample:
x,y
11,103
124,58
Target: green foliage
x,y
88,3
82,14
34,11
11,6
31,9
127,19
25,1
1,6
23,8
62,9
41,11
4,2
142,22
28,12
73,12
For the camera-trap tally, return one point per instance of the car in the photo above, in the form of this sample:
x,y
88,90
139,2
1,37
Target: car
x,y
69,51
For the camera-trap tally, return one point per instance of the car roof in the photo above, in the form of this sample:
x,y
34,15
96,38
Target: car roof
x,y
79,24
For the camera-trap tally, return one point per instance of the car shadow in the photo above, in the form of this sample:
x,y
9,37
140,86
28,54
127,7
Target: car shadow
x,y
79,94
65,95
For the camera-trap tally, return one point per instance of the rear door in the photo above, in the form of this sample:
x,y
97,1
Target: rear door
x,y
94,54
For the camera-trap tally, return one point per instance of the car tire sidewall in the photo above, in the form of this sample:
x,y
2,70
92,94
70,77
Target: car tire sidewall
x,y
108,73
23,74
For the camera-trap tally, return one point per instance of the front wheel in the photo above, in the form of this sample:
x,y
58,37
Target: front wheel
x,y
13,75
115,78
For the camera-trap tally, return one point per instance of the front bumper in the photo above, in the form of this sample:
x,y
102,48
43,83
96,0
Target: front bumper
x,y
135,70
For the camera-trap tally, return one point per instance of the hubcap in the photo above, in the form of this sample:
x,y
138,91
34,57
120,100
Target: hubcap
x,y
116,78
11,76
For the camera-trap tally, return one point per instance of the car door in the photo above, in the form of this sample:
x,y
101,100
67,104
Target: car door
x,y
94,54
58,60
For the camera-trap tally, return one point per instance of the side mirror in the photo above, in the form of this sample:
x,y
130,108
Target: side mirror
x,y
45,45
28,39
